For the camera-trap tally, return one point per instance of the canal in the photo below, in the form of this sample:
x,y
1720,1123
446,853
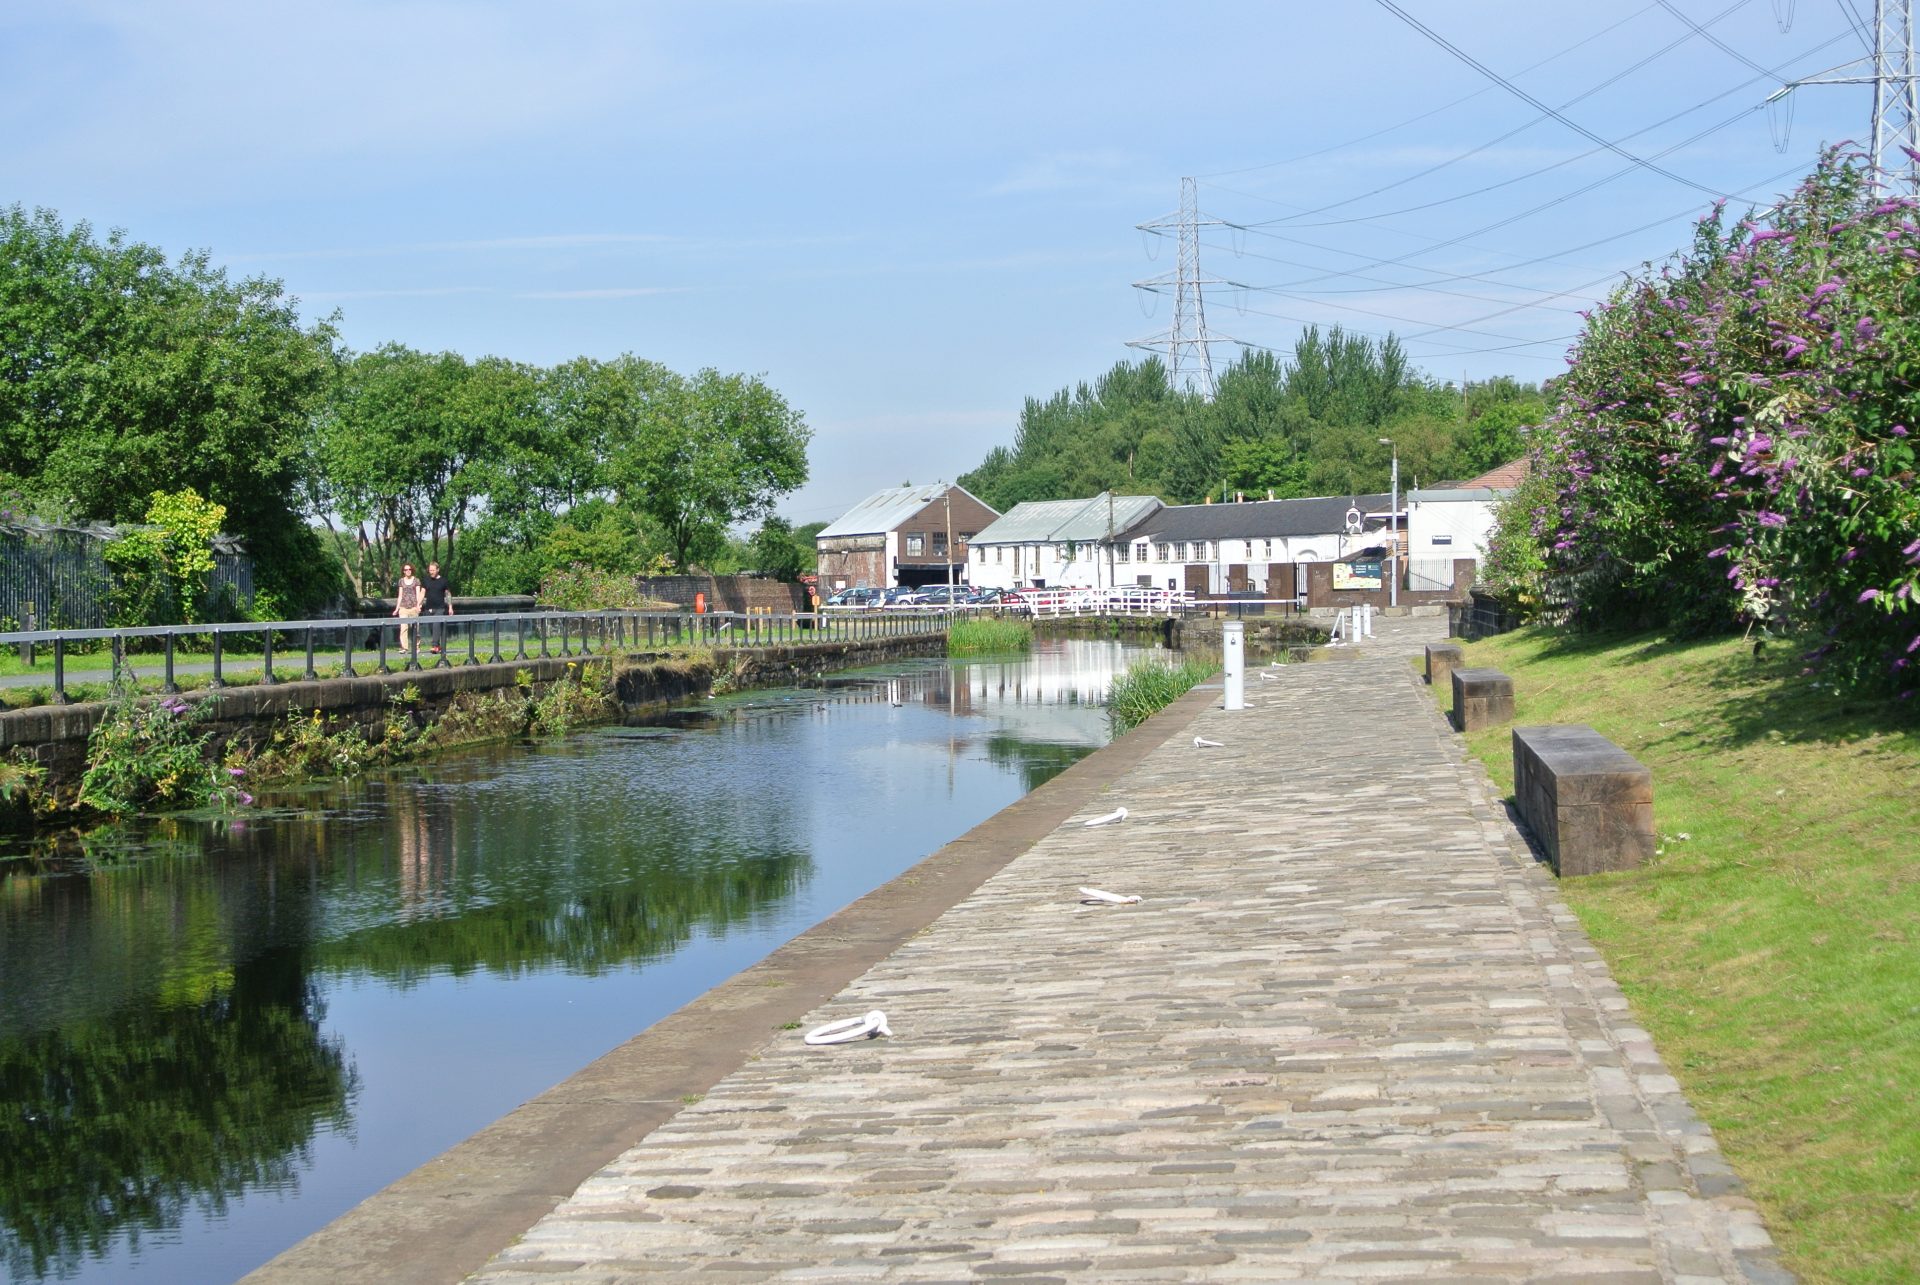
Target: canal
x,y
217,1035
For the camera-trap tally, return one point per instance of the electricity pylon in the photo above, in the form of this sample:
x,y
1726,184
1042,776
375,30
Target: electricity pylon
x,y
1187,340
1896,114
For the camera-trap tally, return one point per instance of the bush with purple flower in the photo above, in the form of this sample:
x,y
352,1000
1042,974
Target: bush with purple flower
x,y
1731,441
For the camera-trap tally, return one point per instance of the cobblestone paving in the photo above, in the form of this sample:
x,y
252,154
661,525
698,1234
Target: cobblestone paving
x,y
1351,1033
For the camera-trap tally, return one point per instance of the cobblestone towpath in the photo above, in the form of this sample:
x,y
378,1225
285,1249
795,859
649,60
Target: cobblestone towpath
x,y
1350,1032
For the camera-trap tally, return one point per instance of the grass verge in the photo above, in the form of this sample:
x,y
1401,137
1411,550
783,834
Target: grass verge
x,y
1773,946
989,636
1149,686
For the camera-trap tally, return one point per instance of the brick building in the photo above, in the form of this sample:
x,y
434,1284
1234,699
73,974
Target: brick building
x,y
904,535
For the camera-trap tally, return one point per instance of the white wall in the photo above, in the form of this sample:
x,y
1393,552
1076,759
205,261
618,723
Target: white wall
x,y
1449,528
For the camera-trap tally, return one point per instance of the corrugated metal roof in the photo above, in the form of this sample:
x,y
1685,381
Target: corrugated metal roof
x,y
1081,521
1453,494
1320,515
884,510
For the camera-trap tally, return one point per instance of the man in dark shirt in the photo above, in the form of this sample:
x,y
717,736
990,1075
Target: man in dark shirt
x,y
439,602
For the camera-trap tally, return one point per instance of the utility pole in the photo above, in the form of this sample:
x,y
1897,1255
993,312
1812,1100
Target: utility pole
x,y
1186,341
1113,581
946,500
1393,527
1895,128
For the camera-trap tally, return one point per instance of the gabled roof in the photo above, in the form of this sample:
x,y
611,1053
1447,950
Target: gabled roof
x,y
1505,478
1320,515
884,510
1080,521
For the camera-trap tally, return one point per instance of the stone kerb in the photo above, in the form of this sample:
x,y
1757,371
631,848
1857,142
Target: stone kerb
x,y
1588,801
1481,698
1442,660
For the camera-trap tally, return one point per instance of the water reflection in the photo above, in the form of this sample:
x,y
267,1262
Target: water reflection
x,y
209,1051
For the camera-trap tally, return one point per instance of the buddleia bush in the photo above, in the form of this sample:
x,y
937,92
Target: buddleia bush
x,y
1733,443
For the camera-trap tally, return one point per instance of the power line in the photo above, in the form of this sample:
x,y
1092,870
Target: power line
x,y
1768,74
1391,7
1455,159
1434,111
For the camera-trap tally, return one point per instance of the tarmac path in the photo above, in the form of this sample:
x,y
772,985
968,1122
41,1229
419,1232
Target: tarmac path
x,y
1351,1032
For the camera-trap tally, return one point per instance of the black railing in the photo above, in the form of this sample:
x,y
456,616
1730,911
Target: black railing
x,y
433,642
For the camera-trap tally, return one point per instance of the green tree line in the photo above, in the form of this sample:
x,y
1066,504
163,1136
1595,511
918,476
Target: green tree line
x,y
124,375
1308,425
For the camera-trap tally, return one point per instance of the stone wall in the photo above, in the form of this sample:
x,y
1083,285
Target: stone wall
x,y
55,736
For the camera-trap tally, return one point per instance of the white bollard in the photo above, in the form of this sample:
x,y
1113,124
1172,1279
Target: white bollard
x,y
1367,618
1233,654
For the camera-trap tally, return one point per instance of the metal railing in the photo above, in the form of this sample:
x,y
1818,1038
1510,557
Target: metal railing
x,y
488,638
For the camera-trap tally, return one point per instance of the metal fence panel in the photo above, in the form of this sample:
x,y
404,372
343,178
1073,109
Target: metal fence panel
x,y
58,578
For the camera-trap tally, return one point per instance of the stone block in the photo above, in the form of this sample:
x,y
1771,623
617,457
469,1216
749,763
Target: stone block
x,y
1589,801
1481,698
1442,660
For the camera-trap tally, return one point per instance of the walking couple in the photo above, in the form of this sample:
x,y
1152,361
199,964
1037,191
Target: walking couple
x,y
416,597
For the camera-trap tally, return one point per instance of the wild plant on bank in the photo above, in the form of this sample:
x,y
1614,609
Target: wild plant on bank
x,y
1149,686
989,637
146,754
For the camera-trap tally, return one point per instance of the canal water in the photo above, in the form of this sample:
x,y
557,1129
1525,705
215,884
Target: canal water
x,y
218,1035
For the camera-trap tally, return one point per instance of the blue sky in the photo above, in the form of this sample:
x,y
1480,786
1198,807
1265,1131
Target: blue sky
x,y
908,216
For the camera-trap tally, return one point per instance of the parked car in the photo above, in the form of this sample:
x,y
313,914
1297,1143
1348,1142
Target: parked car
x,y
942,595
855,598
1002,600
900,596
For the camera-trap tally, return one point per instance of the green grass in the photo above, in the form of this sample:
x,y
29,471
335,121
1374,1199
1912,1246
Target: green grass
x,y
1773,947
989,636
1149,686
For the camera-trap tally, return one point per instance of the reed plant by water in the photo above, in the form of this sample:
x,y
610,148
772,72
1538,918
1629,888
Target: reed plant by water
x,y
1149,686
989,637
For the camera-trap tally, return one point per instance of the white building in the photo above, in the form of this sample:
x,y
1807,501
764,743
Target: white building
x,y
1444,523
1257,546
1058,544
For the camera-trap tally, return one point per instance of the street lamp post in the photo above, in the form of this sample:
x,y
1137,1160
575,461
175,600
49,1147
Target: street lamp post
x,y
1393,525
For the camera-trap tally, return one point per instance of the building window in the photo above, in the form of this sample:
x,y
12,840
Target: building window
x,y
1269,551
997,551
1249,552
939,544
1443,539
966,537
1180,550
1065,551
916,545
1166,552
1140,551
1125,549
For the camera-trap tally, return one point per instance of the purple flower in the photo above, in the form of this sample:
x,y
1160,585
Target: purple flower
x,y
1868,595
246,800
1767,517
236,771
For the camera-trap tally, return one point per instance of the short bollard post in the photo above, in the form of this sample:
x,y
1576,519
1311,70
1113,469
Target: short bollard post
x,y
312,674
219,679
167,684
1233,655
266,657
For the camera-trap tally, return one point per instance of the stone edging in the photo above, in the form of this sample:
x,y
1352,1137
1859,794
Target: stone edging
x,y
449,1217
1639,1087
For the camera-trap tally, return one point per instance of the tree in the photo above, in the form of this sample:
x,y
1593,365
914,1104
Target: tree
x,y
773,551
695,456
122,374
